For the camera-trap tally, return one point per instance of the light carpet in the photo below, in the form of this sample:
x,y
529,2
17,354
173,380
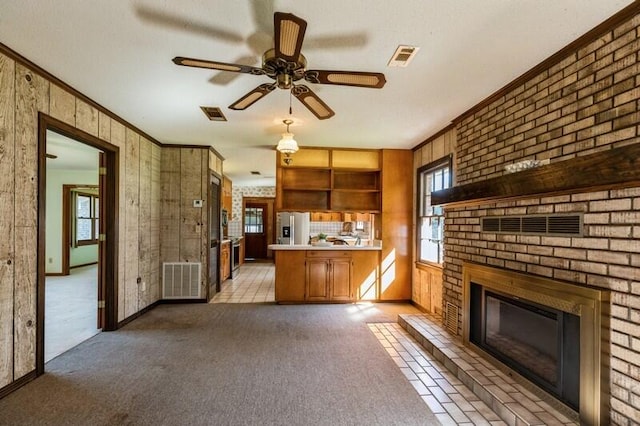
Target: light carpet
x,y
224,364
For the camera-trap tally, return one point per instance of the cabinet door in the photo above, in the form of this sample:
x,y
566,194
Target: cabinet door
x,y
225,262
340,279
317,281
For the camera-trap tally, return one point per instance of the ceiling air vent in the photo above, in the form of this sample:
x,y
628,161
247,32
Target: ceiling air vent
x,y
213,113
402,56
534,225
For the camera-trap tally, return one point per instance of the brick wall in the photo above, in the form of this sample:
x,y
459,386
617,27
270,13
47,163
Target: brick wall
x,y
585,103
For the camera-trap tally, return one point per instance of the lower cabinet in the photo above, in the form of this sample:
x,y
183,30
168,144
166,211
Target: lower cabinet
x,y
328,279
427,288
225,261
326,276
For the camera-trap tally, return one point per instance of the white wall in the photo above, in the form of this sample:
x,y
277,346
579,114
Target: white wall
x,y
53,248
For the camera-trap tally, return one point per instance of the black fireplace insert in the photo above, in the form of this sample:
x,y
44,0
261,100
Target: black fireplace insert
x,y
539,342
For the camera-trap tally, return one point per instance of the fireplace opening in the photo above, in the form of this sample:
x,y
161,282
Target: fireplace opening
x,y
538,342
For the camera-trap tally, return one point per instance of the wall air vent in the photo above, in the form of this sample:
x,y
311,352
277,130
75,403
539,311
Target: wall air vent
x,y
403,56
451,318
213,113
558,224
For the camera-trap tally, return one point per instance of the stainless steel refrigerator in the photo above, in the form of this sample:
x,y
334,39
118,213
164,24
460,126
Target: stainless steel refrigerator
x,y
293,228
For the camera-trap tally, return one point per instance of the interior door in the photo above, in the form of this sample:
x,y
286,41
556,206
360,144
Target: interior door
x,y
102,252
214,235
255,229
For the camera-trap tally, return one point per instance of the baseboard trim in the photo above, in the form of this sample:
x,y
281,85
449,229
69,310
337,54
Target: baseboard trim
x,y
155,304
181,301
84,264
138,314
55,274
16,384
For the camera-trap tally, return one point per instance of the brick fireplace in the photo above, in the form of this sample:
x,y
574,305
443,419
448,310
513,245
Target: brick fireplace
x,y
582,102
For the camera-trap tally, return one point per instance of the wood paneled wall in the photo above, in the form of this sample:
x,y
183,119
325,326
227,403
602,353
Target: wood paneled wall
x,y
23,94
185,228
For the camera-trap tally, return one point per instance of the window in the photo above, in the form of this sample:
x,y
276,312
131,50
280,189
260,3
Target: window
x,y
432,177
86,218
253,220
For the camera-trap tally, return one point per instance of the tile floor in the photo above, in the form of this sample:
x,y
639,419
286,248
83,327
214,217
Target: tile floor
x,y
447,397
254,283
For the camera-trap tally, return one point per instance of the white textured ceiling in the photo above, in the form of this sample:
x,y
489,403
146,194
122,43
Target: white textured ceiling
x,y
119,53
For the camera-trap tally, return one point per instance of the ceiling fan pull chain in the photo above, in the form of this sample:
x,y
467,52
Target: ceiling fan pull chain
x,y
290,96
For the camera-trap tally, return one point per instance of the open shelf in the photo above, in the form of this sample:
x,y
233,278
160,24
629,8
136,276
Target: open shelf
x,y
356,180
366,201
306,179
305,199
351,183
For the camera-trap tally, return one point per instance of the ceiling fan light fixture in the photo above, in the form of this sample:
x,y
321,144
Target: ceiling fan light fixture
x,y
287,145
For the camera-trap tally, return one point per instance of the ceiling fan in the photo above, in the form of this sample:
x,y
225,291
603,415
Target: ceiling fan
x,y
286,65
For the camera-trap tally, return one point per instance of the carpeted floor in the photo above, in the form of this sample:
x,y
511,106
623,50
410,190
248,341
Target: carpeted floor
x,y
225,364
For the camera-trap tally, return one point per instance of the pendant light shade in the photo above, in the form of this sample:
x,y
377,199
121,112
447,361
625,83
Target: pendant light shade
x,y
287,145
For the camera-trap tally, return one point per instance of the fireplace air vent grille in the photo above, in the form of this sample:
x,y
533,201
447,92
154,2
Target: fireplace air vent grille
x,y
558,224
451,318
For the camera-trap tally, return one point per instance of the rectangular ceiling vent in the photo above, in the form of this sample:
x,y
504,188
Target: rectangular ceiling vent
x,y
403,56
558,224
213,113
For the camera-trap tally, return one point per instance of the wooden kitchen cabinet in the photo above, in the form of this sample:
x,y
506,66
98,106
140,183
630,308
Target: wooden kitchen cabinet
x,y
227,194
326,217
225,260
290,276
356,217
317,280
328,277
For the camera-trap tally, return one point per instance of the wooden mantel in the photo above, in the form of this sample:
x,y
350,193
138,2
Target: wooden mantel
x,y
611,169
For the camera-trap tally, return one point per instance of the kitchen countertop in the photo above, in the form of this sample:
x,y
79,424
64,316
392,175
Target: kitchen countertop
x,y
312,247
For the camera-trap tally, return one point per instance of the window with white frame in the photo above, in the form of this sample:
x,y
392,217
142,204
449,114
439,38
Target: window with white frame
x,y
432,177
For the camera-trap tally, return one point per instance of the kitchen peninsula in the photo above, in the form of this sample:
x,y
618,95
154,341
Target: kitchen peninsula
x,y
325,274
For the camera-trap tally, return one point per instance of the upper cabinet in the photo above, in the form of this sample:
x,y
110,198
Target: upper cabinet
x,y
227,191
326,179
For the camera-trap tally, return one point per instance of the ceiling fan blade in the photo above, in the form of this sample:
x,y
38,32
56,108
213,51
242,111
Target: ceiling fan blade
x,y
221,66
289,34
312,102
374,80
253,96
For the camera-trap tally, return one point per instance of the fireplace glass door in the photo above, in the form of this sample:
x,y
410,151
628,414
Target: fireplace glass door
x,y
540,343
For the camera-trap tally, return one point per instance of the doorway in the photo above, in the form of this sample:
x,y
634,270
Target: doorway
x,y
214,235
259,224
77,227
